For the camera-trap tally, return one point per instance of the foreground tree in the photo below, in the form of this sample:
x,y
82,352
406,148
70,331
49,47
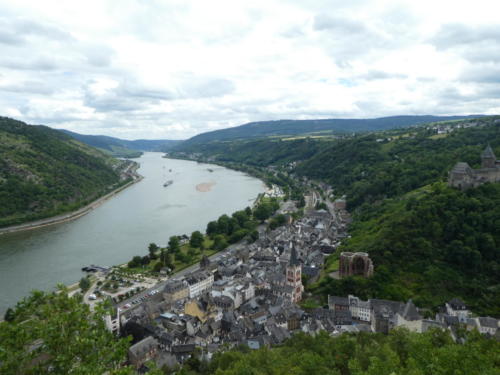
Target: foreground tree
x,y
57,334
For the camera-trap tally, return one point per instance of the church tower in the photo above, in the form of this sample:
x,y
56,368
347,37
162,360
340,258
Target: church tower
x,y
488,158
294,276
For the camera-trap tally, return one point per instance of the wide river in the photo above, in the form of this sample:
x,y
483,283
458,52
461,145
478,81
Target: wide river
x,y
123,226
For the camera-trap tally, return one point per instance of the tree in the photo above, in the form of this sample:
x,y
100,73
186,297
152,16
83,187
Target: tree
x,y
238,235
196,239
145,260
220,242
174,244
277,221
9,315
254,236
262,212
212,228
153,248
191,252
135,262
223,225
168,261
75,340
84,283
158,266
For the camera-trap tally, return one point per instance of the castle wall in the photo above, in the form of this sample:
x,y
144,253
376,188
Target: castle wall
x,y
488,174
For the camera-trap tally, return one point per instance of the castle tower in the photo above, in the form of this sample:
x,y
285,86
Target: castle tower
x,y
488,158
294,276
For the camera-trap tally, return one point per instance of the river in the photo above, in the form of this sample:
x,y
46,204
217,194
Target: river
x,y
123,226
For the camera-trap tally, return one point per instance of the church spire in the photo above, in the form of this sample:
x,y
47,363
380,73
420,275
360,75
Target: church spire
x,y
488,158
294,261
488,153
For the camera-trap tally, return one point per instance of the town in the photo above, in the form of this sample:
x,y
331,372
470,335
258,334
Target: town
x,y
250,295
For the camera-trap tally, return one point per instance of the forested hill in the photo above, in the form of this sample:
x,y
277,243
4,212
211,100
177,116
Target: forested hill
x,y
44,172
428,242
122,147
326,126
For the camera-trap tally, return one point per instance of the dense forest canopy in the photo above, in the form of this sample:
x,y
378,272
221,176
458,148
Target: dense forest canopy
x,y
44,172
400,352
430,245
373,167
320,126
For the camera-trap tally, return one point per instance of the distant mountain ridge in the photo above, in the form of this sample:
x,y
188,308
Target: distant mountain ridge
x,y
300,127
123,147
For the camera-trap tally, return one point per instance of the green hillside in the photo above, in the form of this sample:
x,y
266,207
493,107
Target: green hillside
x,y
121,147
428,242
261,152
400,352
311,127
380,165
44,172
431,245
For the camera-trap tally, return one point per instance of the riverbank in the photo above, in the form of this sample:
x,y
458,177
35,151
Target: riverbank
x,y
121,228
71,215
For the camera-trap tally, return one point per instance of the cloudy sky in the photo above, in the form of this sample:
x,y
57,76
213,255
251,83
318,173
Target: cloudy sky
x,y
175,68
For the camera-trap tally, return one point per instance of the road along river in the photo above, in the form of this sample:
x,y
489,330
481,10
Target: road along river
x,y
124,225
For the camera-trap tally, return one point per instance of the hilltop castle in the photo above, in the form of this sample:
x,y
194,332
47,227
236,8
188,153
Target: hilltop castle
x,y
462,176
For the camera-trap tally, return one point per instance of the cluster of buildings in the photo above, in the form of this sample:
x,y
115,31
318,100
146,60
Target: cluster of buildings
x,y
377,315
248,296
463,177
448,127
274,191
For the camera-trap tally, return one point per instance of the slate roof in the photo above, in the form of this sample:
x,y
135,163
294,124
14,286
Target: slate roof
x,y
294,261
488,153
488,322
196,277
462,168
457,304
143,346
410,311
182,349
334,300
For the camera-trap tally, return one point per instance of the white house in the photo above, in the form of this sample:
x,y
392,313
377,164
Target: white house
x,y
199,282
359,309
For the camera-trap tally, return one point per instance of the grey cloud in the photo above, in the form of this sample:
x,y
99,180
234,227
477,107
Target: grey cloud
x,y
208,88
126,98
449,95
10,38
34,87
481,73
293,32
379,74
99,55
16,30
453,35
342,25
346,39
41,64
144,92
